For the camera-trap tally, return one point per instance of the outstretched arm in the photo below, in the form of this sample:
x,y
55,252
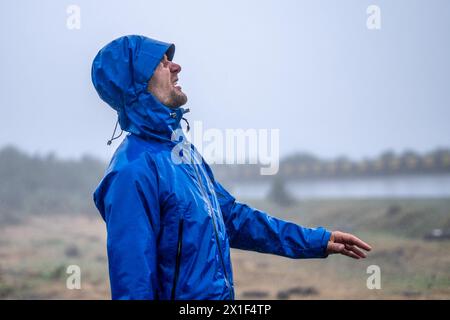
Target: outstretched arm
x,y
252,229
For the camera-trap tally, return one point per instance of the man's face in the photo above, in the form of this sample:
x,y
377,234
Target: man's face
x,y
163,84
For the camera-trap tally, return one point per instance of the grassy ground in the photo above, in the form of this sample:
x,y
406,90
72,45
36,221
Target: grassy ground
x,y
34,255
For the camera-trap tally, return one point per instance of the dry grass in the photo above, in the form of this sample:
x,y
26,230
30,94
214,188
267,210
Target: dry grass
x,y
34,257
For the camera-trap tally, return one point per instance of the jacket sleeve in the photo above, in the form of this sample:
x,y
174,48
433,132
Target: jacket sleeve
x,y
132,221
252,229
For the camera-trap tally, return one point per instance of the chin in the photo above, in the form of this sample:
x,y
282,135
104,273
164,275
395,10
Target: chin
x,y
179,99
176,103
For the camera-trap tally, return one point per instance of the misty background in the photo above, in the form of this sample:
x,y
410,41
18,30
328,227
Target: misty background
x,y
363,117
309,68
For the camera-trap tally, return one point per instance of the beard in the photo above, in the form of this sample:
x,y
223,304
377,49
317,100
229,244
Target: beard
x,y
176,99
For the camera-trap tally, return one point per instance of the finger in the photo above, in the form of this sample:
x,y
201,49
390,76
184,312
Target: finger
x,y
350,254
358,242
340,248
355,250
335,248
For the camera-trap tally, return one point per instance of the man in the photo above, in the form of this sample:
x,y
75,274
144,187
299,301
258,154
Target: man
x,y
170,224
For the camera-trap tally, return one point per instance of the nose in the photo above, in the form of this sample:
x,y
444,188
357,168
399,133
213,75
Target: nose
x,y
175,68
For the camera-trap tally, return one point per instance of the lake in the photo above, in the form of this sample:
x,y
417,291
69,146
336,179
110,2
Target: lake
x,y
401,186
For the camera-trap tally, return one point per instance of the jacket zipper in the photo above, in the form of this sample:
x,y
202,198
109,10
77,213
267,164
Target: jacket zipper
x,y
227,282
178,258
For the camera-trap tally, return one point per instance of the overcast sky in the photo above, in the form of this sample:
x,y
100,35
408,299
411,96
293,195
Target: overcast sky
x,y
309,68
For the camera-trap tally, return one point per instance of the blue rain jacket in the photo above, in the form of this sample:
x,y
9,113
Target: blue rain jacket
x,y
170,225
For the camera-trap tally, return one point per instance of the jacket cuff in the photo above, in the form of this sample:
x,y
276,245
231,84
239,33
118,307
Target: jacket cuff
x,y
319,242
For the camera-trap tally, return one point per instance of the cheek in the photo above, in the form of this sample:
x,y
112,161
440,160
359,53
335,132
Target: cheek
x,y
161,77
164,79
167,77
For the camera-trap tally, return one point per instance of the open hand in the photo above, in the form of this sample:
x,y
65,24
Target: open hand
x,y
347,244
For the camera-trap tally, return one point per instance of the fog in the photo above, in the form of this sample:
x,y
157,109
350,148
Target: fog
x,y
311,69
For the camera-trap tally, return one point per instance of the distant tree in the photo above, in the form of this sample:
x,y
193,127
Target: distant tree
x,y
45,184
410,161
279,195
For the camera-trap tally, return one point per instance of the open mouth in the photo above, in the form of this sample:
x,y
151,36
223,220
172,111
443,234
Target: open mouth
x,y
175,84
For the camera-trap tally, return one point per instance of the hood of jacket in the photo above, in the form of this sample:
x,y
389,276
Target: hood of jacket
x,y
120,74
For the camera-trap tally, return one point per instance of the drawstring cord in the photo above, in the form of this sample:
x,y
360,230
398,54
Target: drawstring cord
x,y
187,123
112,137
173,115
